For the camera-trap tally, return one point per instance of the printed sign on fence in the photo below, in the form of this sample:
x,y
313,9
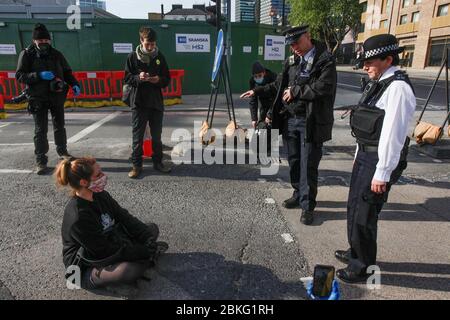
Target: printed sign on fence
x,y
8,49
122,47
274,48
192,42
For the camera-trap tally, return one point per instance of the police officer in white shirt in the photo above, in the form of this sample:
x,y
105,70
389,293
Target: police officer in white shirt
x,y
380,124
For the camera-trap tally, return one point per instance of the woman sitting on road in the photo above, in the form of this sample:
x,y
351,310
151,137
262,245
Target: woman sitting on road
x,y
108,244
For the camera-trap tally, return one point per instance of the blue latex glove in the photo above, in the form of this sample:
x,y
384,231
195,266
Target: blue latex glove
x,y
334,292
76,90
47,75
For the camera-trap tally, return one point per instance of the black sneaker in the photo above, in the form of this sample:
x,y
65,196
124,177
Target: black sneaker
x,y
291,203
65,156
41,169
162,168
161,247
307,217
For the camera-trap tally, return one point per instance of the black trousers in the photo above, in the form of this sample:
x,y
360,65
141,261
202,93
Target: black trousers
x,y
140,117
41,128
363,208
304,159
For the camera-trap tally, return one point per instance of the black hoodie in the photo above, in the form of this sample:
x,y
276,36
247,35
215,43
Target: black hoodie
x,y
99,226
266,98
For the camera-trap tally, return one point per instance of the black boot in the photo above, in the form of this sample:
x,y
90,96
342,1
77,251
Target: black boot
x,y
159,166
350,276
307,217
41,169
291,203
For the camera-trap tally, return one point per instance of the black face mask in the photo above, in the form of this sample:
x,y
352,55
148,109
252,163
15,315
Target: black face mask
x,y
43,48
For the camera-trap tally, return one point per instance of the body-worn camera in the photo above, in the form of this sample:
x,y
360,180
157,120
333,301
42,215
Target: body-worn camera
x,y
57,85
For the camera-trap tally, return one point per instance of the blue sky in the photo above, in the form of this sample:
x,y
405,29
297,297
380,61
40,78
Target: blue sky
x,y
138,9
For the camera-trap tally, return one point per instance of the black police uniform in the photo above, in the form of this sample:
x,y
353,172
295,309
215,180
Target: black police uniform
x,y
147,103
42,96
363,205
307,121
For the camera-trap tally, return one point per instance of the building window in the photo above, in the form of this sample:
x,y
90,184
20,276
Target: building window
x,y
384,24
437,51
404,19
406,3
442,10
418,1
386,6
415,17
362,27
364,6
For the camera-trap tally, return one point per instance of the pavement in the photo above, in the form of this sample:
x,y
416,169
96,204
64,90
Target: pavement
x,y
229,236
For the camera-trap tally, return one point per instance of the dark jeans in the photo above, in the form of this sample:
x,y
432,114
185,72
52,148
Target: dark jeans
x,y
41,128
363,208
304,159
140,117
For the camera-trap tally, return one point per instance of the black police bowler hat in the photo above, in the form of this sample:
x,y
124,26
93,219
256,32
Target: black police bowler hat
x,y
291,35
378,46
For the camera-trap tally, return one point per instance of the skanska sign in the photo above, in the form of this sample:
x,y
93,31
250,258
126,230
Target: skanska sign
x,y
192,42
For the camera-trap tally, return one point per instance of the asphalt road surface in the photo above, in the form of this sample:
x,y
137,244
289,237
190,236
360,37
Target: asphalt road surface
x,y
229,236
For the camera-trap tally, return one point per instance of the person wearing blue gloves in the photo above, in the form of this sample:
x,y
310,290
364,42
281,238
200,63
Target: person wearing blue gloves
x,y
47,76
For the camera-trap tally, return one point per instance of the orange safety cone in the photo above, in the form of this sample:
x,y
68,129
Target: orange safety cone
x,y
147,145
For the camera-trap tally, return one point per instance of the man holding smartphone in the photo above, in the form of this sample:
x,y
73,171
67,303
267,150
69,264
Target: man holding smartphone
x,y
146,70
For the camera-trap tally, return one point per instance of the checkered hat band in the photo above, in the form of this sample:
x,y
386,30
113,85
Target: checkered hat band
x,y
378,51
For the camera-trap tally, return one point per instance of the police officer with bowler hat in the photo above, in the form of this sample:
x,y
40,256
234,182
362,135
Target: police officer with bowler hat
x,y
380,123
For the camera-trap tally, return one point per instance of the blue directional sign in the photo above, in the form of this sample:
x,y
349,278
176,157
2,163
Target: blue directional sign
x,y
218,56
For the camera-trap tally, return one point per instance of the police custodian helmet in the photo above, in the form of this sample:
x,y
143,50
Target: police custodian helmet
x,y
378,46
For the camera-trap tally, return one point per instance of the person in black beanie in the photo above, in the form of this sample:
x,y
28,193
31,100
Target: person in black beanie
x,y
47,75
260,77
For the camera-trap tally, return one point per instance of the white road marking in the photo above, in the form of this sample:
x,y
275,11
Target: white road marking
x,y
16,144
15,171
80,135
270,201
260,180
5,124
287,238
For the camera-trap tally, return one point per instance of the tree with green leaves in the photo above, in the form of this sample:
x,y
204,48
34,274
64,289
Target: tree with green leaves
x,y
328,20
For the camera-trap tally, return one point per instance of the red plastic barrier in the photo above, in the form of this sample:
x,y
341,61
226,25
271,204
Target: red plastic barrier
x,y
117,83
95,85
9,86
174,89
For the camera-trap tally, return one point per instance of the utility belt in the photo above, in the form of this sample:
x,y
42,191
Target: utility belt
x,y
367,148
